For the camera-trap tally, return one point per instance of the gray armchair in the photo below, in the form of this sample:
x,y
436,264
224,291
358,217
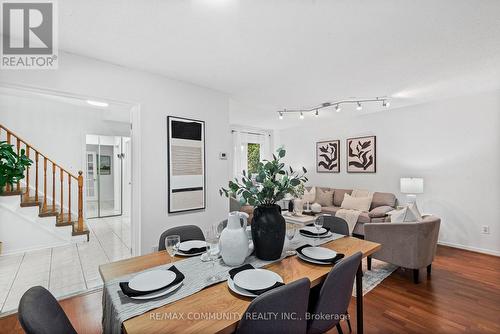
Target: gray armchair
x,y
408,245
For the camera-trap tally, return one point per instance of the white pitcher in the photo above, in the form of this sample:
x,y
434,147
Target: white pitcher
x,y
233,242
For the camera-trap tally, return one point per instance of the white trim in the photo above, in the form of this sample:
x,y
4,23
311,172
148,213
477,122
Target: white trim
x,y
135,210
470,248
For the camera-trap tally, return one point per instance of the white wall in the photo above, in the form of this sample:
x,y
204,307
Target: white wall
x,y
453,144
158,97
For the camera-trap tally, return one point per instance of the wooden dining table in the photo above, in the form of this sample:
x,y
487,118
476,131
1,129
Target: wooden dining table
x,y
196,313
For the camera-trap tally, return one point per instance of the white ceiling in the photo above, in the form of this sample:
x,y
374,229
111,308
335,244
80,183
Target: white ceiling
x,y
270,54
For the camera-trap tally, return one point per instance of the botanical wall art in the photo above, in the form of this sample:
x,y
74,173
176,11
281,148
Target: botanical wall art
x,y
361,155
186,164
328,156
104,164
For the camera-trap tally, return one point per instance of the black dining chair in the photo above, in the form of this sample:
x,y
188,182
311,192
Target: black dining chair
x,y
40,313
334,296
335,224
186,232
285,307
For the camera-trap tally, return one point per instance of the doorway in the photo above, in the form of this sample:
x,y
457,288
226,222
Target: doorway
x,y
108,176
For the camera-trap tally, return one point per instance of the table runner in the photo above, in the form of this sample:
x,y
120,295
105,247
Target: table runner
x,y
118,308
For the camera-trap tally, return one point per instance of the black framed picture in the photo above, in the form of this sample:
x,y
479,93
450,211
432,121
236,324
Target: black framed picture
x,y
186,164
361,155
328,156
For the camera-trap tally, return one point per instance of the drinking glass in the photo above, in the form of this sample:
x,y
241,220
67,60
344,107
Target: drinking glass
x,y
212,240
318,223
290,234
172,245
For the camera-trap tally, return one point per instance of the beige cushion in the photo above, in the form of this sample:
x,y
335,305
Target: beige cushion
x,y
338,196
380,199
309,195
380,211
415,212
356,203
324,196
405,215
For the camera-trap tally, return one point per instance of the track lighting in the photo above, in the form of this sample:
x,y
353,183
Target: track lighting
x,y
281,114
359,107
316,114
337,108
386,104
301,115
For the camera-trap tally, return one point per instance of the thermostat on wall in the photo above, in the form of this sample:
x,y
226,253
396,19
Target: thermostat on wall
x,y
223,156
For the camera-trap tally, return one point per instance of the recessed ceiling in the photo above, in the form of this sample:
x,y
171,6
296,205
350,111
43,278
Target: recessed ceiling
x,y
268,55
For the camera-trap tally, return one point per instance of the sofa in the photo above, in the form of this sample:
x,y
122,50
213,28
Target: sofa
x,y
410,245
382,203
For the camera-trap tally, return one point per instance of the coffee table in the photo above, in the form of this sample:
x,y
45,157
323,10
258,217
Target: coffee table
x,y
300,220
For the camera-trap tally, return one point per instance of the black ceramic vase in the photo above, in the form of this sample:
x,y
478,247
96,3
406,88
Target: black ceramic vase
x,y
268,232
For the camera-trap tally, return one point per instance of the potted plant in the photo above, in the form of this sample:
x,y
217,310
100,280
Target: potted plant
x,y
272,183
12,165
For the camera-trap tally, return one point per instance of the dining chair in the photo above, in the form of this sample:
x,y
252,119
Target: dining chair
x,y
334,296
285,308
186,232
40,313
335,224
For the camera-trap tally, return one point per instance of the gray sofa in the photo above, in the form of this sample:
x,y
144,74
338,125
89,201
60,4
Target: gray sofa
x,y
381,204
408,245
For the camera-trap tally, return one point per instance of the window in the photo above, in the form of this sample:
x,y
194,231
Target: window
x,y
253,157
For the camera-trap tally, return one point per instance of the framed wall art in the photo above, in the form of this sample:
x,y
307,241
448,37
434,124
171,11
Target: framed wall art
x,y
186,164
361,155
328,156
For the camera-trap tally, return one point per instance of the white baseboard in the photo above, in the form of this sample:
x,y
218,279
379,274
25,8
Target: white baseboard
x,y
469,248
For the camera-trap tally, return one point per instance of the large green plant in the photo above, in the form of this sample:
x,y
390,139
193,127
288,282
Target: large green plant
x,y
12,165
272,183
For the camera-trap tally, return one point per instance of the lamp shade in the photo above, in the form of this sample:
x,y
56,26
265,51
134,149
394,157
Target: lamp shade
x,y
412,185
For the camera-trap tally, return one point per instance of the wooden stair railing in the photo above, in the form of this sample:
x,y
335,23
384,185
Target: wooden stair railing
x,y
47,209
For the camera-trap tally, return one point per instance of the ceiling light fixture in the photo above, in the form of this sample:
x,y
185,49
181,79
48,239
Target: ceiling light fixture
x,y
359,107
337,108
281,114
386,104
316,114
301,115
98,103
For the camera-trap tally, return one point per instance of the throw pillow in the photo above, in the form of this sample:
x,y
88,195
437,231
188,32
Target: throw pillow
x,y
309,195
412,207
356,203
398,216
324,196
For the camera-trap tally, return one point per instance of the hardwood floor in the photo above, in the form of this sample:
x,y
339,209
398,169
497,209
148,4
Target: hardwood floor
x,y
461,296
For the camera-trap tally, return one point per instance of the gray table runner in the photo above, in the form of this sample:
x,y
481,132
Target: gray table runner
x,y
117,307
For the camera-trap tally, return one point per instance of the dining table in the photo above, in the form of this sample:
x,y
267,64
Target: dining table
x,y
218,299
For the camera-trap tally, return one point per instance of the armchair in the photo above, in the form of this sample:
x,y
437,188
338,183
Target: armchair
x,y
409,245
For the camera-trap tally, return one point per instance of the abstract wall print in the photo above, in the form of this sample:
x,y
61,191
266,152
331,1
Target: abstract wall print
x,y
186,164
361,155
328,156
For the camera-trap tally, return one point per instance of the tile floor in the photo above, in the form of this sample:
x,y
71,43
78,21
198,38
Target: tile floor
x,y
65,270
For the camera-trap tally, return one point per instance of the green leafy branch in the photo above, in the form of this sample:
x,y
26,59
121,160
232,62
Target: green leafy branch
x,y
272,183
12,165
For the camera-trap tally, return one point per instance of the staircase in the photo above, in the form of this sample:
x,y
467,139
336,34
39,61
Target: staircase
x,y
52,194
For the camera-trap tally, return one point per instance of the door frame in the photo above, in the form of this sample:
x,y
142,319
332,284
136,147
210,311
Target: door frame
x,y
94,156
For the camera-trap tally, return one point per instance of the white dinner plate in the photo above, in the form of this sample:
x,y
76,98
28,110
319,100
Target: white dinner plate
x,y
328,235
314,230
187,245
238,290
151,280
305,258
256,279
159,293
319,253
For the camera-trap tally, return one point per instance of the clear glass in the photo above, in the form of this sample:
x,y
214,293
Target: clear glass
x,y
212,239
172,243
291,229
318,223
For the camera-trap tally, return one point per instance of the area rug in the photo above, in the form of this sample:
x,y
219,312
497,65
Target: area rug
x,y
371,278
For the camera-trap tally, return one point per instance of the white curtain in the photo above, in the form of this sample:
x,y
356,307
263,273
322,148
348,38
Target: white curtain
x,y
241,139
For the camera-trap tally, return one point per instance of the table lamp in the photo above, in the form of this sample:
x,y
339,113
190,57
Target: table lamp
x,y
411,186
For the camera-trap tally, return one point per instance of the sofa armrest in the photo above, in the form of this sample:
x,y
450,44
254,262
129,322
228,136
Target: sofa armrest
x,y
410,245
380,211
